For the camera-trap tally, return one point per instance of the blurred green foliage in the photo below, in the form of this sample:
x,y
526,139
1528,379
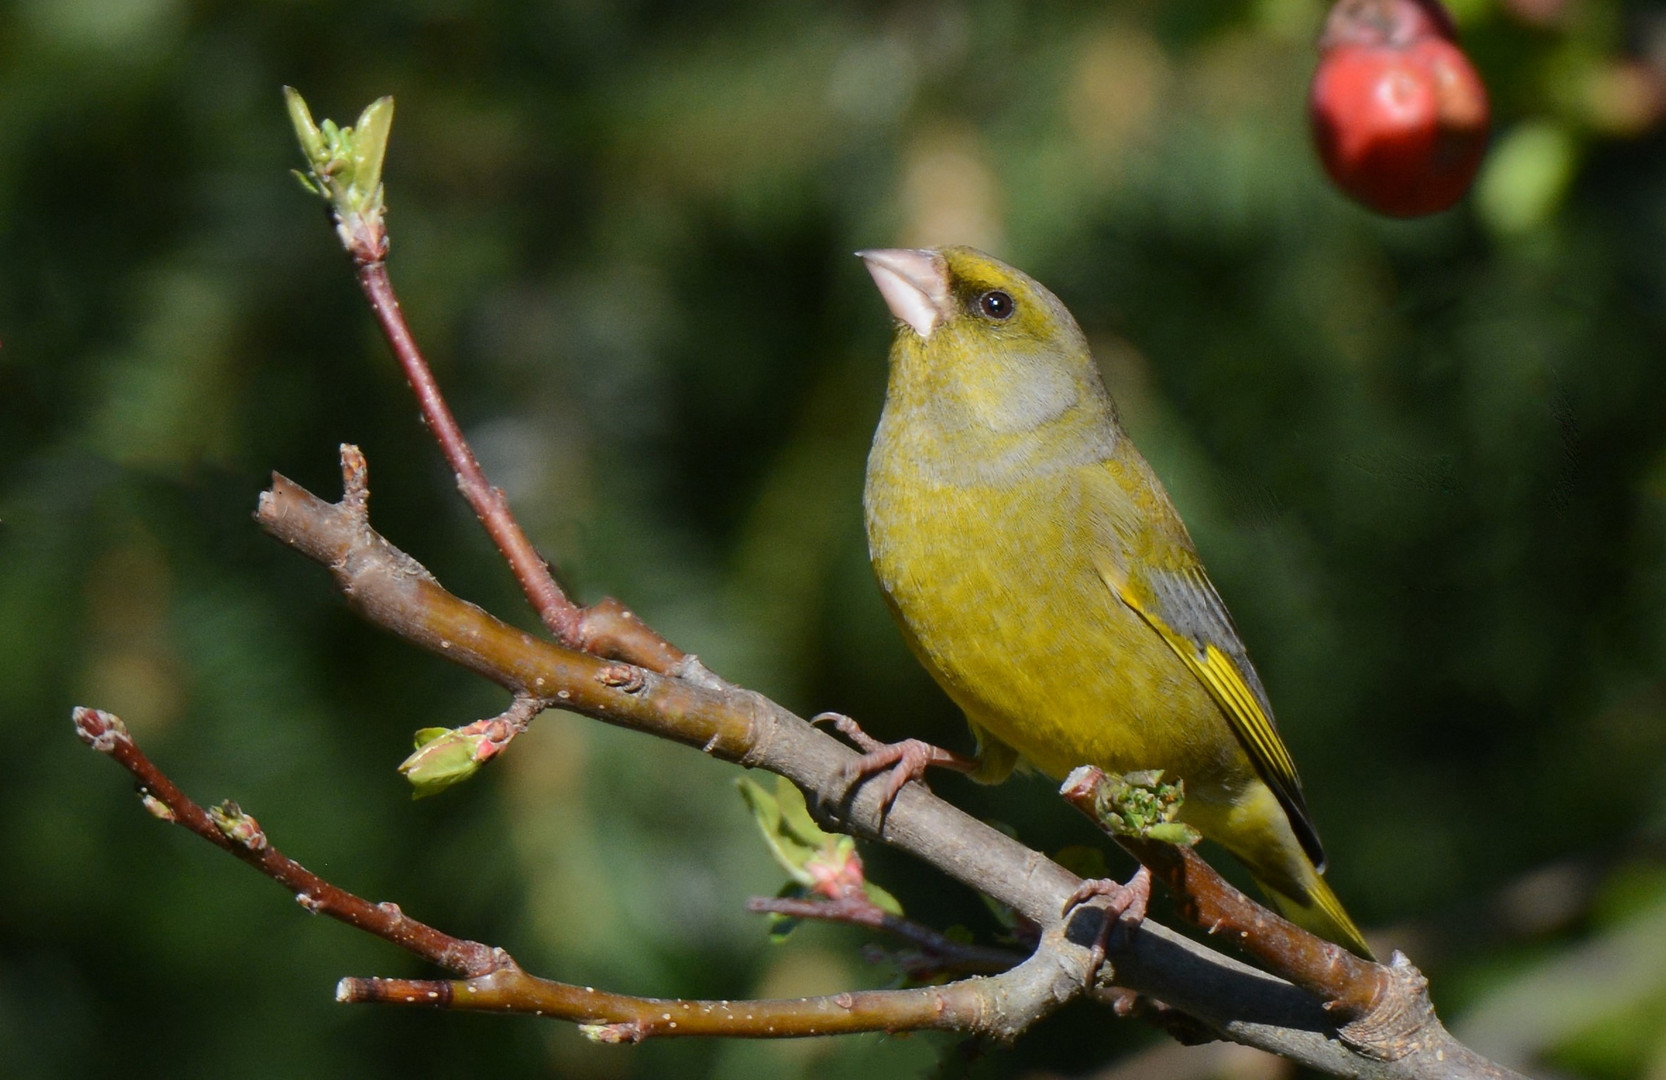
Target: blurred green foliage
x,y
1425,462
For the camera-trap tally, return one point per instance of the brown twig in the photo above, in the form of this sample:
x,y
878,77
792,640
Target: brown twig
x,y
236,832
938,953
1350,986
1001,1006
606,628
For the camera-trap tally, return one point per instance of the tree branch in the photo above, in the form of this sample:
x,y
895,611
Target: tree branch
x,y
606,628
1349,986
937,952
237,833
1000,1006
695,708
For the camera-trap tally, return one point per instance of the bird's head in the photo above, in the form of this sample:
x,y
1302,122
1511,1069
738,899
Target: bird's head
x,y
980,342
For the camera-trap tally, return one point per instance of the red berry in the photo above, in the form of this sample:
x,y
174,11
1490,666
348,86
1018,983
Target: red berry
x,y
1399,114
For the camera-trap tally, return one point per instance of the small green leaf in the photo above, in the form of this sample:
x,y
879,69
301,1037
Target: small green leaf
x,y
306,132
238,826
370,144
344,167
795,816
819,863
789,849
781,927
882,899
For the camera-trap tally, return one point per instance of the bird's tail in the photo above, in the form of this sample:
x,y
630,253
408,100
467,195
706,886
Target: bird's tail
x,y
1321,912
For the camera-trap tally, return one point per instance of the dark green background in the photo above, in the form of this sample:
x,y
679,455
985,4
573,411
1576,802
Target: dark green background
x,y
1424,461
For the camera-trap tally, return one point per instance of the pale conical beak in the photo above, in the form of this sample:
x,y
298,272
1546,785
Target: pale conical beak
x,y
914,283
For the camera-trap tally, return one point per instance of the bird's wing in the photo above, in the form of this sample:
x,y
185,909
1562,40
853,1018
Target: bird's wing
x,y
1176,599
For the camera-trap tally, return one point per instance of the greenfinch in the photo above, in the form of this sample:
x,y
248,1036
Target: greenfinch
x,y
1039,571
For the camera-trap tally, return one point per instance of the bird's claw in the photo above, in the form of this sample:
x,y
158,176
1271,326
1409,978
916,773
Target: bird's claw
x,y
903,761
850,729
1125,911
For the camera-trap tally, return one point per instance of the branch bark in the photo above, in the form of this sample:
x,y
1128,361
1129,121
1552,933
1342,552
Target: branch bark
x,y
1000,1006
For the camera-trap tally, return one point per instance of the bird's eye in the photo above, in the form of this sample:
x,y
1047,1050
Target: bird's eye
x,y
996,304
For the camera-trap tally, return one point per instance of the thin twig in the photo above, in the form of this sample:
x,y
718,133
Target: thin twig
x,y
1349,986
243,837
606,628
1001,1006
939,953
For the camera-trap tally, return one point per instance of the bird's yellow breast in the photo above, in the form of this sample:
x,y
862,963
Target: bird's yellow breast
x,y
997,587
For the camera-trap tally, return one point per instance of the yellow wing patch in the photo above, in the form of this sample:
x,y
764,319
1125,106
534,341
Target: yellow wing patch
x,y
1224,681
1221,677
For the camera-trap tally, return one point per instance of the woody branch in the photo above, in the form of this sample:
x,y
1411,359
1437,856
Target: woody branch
x,y
696,709
1001,1006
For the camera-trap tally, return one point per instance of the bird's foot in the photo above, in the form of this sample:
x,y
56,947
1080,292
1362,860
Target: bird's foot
x,y
1126,910
903,761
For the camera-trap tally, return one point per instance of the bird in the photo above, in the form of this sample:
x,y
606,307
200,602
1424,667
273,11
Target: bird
x,y
1039,572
